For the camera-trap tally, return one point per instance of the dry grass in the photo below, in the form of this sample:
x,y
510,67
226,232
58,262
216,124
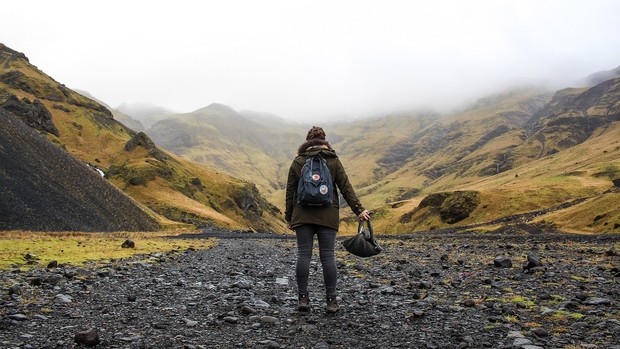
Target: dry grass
x,y
157,192
80,247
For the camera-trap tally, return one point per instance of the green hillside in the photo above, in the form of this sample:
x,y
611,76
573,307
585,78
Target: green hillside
x,y
174,190
254,148
567,150
506,154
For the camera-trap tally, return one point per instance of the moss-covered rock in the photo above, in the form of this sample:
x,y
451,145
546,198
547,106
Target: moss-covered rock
x,y
140,139
434,200
458,206
452,207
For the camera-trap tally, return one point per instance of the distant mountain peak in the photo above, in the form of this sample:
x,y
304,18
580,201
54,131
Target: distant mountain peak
x,y
143,110
598,77
217,107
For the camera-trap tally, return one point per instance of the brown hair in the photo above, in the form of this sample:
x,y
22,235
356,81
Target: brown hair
x,y
315,137
315,133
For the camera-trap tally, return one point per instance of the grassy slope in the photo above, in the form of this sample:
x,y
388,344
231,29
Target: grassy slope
x,y
542,183
88,134
459,147
583,171
256,150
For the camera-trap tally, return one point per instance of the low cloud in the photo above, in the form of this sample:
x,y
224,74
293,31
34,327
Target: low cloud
x,y
314,59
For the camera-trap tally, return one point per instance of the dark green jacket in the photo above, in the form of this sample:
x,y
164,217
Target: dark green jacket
x,y
328,216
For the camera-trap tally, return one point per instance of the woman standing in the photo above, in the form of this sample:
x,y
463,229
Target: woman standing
x,y
322,221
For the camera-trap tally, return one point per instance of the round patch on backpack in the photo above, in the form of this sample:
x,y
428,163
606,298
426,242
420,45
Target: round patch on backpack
x,y
323,189
316,177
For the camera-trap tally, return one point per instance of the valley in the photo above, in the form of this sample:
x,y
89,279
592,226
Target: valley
x,y
508,148
519,151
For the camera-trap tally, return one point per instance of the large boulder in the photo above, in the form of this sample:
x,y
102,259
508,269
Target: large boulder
x,y
140,139
34,114
452,206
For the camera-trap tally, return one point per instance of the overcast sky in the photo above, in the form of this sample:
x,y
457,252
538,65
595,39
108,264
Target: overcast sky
x,y
312,59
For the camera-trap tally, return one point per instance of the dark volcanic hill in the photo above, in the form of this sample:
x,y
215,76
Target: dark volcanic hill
x,y
44,188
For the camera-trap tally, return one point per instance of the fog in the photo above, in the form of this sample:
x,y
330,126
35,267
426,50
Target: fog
x,y
312,60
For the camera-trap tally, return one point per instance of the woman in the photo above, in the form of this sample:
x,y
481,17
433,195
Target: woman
x,y
321,221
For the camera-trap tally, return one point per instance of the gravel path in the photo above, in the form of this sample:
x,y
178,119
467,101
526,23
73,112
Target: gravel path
x,y
430,291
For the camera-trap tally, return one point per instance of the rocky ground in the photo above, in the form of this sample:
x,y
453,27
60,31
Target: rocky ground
x,y
511,289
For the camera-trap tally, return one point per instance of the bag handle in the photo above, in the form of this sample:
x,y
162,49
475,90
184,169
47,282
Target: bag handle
x,y
371,237
360,229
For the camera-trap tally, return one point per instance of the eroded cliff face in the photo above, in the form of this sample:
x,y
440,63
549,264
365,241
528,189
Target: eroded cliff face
x,y
573,115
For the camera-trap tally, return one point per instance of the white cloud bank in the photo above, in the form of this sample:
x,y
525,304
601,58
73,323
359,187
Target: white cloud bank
x,y
312,59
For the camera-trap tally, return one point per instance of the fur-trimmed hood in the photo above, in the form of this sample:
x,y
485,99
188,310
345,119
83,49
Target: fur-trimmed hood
x,y
314,143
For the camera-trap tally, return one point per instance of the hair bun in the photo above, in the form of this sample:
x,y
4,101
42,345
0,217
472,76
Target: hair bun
x,y
315,132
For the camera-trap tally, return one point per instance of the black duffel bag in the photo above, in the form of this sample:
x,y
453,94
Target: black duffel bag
x,y
363,244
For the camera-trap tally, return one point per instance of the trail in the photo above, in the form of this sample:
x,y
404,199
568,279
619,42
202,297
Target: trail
x,y
427,291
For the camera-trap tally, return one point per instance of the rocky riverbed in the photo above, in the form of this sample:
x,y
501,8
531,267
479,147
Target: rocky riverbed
x,y
506,290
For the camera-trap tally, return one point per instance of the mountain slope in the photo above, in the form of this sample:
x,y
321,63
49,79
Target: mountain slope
x,y
498,158
258,151
179,191
44,188
416,151
569,150
121,117
146,114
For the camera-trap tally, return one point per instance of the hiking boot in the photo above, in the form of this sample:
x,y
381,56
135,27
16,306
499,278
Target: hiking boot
x,y
332,305
304,303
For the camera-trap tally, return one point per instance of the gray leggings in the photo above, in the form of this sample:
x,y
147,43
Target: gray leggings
x,y
327,244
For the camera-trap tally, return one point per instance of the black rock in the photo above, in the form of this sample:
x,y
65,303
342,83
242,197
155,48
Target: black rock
x,y
502,262
545,296
539,332
533,261
570,305
248,310
30,257
53,279
581,296
128,244
52,265
5,324
89,338
425,285
469,303
15,289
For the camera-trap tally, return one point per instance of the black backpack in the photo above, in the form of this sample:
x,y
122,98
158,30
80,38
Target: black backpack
x,y
315,187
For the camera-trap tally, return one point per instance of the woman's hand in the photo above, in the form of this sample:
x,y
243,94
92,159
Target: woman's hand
x,y
364,216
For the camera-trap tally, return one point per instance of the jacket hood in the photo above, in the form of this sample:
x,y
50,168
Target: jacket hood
x,y
320,150
312,145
